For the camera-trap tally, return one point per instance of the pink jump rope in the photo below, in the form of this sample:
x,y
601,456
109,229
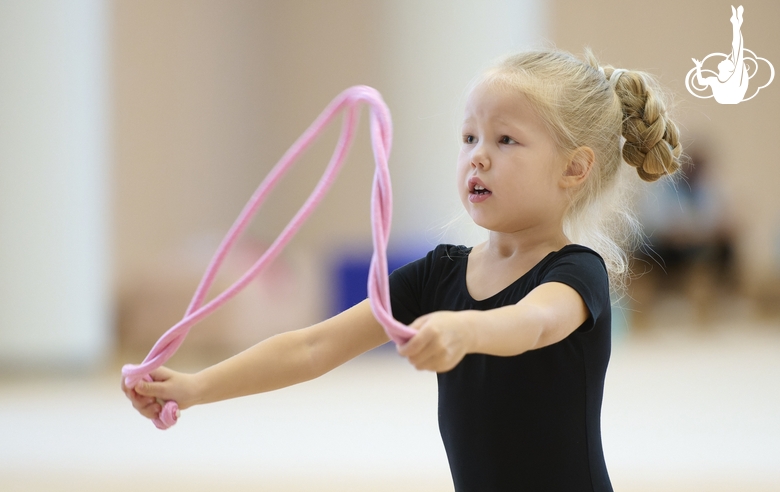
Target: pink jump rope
x,y
381,215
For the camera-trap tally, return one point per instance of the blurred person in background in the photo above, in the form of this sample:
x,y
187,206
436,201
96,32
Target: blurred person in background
x,y
689,250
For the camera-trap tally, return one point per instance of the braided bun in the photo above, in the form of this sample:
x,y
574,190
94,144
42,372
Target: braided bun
x,y
652,139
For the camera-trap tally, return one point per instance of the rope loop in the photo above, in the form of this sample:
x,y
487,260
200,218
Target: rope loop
x,y
381,218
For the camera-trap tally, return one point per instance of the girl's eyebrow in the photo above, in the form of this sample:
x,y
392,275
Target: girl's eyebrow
x,y
513,128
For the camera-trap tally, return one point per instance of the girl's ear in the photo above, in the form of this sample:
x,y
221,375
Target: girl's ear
x,y
579,166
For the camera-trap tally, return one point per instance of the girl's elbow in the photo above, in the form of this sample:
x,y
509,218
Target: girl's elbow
x,y
314,355
551,329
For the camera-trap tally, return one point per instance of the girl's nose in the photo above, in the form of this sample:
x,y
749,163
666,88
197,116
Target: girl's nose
x,y
480,158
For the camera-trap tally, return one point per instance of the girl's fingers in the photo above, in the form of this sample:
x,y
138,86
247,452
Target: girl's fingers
x,y
142,401
417,344
161,374
145,405
151,389
146,395
424,354
425,362
139,401
419,341
151,411
158,387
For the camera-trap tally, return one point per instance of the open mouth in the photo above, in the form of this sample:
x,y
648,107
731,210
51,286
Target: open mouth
x,y
477,187
479,190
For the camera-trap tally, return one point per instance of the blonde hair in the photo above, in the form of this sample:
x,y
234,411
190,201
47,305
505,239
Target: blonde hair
x,y
581,108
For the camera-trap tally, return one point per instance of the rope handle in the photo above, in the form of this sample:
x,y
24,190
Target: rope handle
x,y
381,217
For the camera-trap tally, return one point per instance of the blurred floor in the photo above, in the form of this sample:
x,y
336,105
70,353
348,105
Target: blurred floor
x,y
684,410
695,409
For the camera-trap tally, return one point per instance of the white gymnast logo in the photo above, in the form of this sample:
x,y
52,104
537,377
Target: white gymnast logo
x,y
735,70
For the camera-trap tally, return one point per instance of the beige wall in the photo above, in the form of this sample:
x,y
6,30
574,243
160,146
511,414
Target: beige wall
x,y
661,37
207,100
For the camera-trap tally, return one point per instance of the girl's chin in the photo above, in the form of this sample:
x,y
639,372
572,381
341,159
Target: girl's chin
x,y
481,220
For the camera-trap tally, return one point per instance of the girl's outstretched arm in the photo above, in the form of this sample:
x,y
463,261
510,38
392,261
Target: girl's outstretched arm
x,y
280,361
548,314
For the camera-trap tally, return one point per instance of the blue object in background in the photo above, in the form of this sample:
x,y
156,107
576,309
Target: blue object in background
x,y
351,277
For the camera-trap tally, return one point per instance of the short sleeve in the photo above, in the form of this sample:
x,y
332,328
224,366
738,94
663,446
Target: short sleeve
x,y
584,271
405,291
412,286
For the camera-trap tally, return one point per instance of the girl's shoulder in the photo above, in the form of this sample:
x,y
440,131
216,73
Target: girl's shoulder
x,y
574,249
569,254
573,258
442,257
451,252
573,255
581,268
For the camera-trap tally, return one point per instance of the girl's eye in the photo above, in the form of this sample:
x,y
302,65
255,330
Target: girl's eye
x,y
469,139
507,140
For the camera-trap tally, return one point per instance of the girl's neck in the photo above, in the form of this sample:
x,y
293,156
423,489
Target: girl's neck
x,y
503,258
534,243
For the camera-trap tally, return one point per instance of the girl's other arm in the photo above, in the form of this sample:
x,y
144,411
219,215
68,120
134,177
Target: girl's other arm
x,y
280,361
547,315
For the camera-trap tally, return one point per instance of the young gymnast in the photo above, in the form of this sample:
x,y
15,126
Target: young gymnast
x,y
517,328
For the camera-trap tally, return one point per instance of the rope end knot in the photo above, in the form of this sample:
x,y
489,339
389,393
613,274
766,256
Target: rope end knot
x,y
169,415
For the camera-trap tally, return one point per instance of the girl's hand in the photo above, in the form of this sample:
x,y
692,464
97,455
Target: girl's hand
x,y
443,338
147,396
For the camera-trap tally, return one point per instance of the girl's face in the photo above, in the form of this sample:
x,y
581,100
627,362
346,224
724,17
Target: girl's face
x,y
509,168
